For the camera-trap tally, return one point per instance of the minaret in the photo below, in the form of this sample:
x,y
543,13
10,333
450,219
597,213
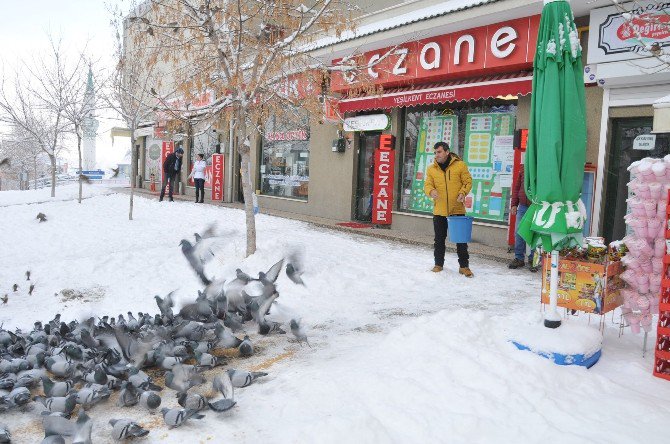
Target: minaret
x,y
90,126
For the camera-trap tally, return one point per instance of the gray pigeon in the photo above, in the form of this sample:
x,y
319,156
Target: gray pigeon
x,y
58,388
243,378
182,377
42,217
226,337
5,435
83,429
165,305
57,424
123,429
150,400
222,405
210,361
294,274
64,404
197,256
191,401
177,417
223,384
298,332
20,396
88,396
246,348
128,395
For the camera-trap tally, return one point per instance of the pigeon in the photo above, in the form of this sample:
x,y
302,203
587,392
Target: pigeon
x,y
225,337
5,435
83,429
28,275
298,332
57,424
19,396
150,400
223,384
128,395
177,417
242,378
85,179
165,305
5,162
123,429
210,361
57,389
246,348
182,377
5,298
89,396
15,287
42,217
243,276
294,274
58,404
197,256
115,171
192,401
31,289
221,405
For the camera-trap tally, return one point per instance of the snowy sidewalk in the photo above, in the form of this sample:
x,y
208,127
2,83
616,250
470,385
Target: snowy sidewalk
x,y
426,240
399,354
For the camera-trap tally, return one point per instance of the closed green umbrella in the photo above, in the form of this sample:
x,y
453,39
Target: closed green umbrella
x,y
554,166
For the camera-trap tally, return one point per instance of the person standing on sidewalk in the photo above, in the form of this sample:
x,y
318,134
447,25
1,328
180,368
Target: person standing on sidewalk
x,y
171,168
519,205
198,175
448,181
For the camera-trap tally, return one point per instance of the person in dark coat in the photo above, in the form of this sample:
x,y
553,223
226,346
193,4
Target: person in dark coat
x,y
519,206
171,168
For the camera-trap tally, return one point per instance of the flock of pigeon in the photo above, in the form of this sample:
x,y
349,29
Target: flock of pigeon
x,y
59,366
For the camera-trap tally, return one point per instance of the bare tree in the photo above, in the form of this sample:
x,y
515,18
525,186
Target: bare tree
x,y
37,107
252,57
23,156
129,89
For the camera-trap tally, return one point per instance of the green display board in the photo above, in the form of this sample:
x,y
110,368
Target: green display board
x,y
489,154
431,130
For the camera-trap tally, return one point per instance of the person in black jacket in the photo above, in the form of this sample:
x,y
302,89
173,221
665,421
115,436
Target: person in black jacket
x,y
171,168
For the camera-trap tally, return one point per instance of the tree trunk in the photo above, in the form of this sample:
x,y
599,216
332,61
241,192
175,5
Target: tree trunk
x,y
52,158
80,166
244,148
34,174
133,171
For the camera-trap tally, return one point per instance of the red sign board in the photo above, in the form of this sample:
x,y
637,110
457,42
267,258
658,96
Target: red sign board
x,y
217,177
501,47
382,188
166,150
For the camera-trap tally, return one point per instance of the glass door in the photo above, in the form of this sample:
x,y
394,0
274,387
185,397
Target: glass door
x,y
367,144
622,154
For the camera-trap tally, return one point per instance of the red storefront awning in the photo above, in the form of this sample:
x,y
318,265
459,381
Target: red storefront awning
x,y
516,84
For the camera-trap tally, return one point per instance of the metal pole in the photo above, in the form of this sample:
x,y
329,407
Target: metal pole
x,y
552,319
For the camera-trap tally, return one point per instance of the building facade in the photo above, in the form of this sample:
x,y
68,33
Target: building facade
x,y
454,71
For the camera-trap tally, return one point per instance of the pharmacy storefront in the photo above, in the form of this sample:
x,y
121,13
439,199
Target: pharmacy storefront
x,y
465,88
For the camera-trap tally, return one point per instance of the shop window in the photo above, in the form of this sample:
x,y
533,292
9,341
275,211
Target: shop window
x,y
479,132
284,166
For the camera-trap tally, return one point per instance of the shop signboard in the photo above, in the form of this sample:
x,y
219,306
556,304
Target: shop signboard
x,y
382,186
585,286
628,31
152,161
489,154
217,177
500,47
431,130
166,150
368,122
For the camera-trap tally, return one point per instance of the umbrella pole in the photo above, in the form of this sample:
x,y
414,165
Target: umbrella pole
x,y
551,318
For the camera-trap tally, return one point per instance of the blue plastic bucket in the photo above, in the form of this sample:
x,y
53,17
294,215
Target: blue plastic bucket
x,y
460,229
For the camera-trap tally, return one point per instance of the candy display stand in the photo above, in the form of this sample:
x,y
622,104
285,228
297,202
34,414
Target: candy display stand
x,y
662,351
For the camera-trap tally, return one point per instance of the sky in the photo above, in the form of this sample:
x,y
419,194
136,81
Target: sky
x,y
24,29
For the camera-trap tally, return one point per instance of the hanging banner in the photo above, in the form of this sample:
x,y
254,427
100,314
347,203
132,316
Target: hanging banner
x,y
166,150
431,130
489,154
217,177
382,187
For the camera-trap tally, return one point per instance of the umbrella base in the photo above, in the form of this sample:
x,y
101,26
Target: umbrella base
x,y
568,345
552,324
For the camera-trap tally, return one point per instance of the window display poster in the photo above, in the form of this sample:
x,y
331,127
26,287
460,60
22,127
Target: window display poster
x,y
431,130
489,153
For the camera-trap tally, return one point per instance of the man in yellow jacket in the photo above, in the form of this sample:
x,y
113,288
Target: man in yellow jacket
x,y
448,181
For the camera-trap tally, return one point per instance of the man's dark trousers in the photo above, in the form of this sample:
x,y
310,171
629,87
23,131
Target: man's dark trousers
x,y
168,178
441,226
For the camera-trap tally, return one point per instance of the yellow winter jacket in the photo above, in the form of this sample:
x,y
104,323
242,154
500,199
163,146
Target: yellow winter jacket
x,y
455,180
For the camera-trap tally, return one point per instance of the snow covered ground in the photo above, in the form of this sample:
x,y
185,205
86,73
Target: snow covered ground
x,y
399,354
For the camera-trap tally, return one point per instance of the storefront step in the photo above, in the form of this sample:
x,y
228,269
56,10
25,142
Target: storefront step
x,y
476,249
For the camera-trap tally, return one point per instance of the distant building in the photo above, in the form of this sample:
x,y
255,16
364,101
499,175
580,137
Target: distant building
x,y
90,127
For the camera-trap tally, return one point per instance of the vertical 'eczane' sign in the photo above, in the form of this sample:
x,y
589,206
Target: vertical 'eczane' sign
x,y
217,177
382,189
